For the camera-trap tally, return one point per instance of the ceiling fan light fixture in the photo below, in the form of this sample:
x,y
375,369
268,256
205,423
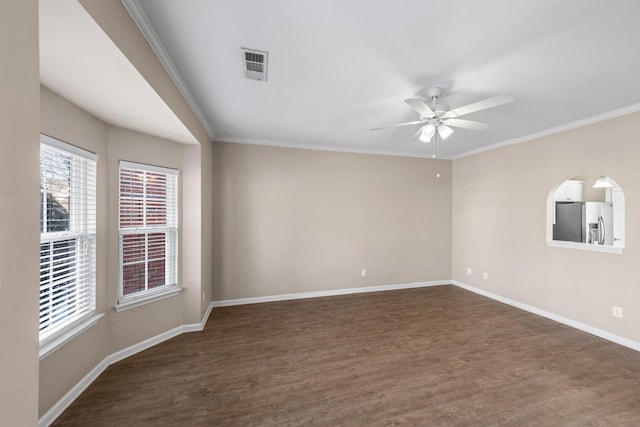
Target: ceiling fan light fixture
x,y
427,133
603,182
444,131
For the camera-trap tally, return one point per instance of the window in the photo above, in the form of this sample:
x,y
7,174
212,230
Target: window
x,y
67,237
148,241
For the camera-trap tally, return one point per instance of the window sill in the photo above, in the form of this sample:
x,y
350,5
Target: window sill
x,y
62,339
586,247
146,299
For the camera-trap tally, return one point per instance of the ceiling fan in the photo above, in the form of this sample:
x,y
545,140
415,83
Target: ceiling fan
x,y
441,118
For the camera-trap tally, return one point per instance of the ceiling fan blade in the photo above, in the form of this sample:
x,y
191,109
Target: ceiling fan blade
x,y
466,124
420,106
481,105
400,124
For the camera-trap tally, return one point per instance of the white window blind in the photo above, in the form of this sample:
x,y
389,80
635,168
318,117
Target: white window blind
x,y
67,236
148,221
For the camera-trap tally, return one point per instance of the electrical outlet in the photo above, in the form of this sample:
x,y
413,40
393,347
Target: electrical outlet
x,y
485,275
468,271
616,311
363,272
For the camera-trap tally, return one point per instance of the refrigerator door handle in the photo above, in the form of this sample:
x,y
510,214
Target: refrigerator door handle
x,y
601,231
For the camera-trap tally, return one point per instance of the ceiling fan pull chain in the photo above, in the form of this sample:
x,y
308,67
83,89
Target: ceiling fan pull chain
x,y
438,159
433,149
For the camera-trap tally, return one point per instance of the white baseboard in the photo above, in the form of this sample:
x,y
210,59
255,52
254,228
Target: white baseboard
x,y
56,410
196,327
142,345
62,404
73,394
317,294
555,317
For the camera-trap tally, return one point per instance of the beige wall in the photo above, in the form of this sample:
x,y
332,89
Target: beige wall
x,y
64,368
197,230
290,220
137,324
116,22
19,237
499,220
192,234
206,281
278,221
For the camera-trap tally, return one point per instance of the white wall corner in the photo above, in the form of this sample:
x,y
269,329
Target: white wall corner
x,y
196,327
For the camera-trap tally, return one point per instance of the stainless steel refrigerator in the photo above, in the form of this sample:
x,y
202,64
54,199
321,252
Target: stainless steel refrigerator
x,y
599,223
590,222
570,222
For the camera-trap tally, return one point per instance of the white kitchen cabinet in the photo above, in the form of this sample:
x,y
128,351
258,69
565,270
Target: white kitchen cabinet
x,y
570,191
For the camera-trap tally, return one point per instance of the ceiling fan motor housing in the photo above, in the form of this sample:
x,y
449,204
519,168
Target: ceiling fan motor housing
x,y
434,92
440,109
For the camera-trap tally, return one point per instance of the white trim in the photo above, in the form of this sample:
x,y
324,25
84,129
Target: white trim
x,y
67,336
143,24
146,299
333,148
126,164
196,327
316,294
552,131
143,345
65,146
56,410
586,247
555,317
139,17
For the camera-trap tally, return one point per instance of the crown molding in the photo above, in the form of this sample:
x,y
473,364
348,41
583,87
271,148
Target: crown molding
x,y
319,147
552,131
139,17
143,24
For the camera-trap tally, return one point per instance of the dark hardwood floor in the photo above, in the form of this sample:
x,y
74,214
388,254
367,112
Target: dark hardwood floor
x,y
436,356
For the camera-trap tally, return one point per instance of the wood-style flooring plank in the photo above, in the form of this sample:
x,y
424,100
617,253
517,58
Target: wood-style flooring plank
x,y
438,356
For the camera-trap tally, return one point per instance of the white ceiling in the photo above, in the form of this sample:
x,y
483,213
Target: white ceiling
x,y
339,68
81,63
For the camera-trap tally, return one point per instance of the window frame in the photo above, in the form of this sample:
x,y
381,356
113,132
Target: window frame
x,y
170,229
80,281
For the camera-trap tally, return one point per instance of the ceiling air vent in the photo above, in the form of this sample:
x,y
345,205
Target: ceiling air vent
x,y
255,64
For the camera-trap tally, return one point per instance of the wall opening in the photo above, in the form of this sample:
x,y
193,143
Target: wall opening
x,y
586,212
